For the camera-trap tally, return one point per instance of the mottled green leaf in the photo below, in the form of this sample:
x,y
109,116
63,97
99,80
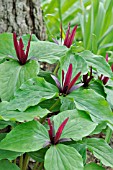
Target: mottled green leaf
x,y
12,75
93,166
63,157
101,150
31,93
95,104
26,137
78,126
46,51
5,164
98,62
21,116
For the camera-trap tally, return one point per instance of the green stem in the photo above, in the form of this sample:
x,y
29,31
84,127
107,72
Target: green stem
x,y
26,161
35,166
14,161
60,12
51,108
54,105
41,166
108,135
21,162
56,69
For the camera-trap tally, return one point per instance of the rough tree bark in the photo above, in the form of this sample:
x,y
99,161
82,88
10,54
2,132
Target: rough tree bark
x,y
22,16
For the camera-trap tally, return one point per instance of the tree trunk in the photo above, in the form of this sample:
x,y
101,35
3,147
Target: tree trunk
x,y
22,16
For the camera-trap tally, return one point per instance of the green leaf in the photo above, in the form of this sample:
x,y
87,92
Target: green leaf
x,y
12,75
31,93
4,124
79,64
6,45
101,150
63,157
67,104
109,92
98,62
95,104
5,164
78,126
5,154
46,51
97,87
81,148
99,128
93,166
10,155
26,137
20,116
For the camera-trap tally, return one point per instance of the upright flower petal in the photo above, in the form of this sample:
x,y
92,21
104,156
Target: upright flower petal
x,y
67,35
19,47
72,35
59,131
68,76
21,52
28,47
112,67
73,81
107,57
51,130
16,44
62,78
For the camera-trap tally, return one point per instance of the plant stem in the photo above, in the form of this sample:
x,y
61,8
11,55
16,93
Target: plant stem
x,y
56,68
108,135
60,12
41,166
26,161
21,162
14,161
54,105
35,166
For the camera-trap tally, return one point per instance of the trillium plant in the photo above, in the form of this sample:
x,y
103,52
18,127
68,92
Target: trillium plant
x,y
54,119
19,48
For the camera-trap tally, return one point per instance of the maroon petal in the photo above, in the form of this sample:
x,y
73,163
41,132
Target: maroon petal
x,y
51,130
72,35
60,129
73,81
62,78
101,77
28,47
57,82
21,52
112,67
68,76
16,44
67,35
107,58
105,80
75,87
85,77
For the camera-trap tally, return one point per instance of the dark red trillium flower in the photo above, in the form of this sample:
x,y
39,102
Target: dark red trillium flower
x,y
87,78
103,78
55,138
69,36
67,83
19,47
